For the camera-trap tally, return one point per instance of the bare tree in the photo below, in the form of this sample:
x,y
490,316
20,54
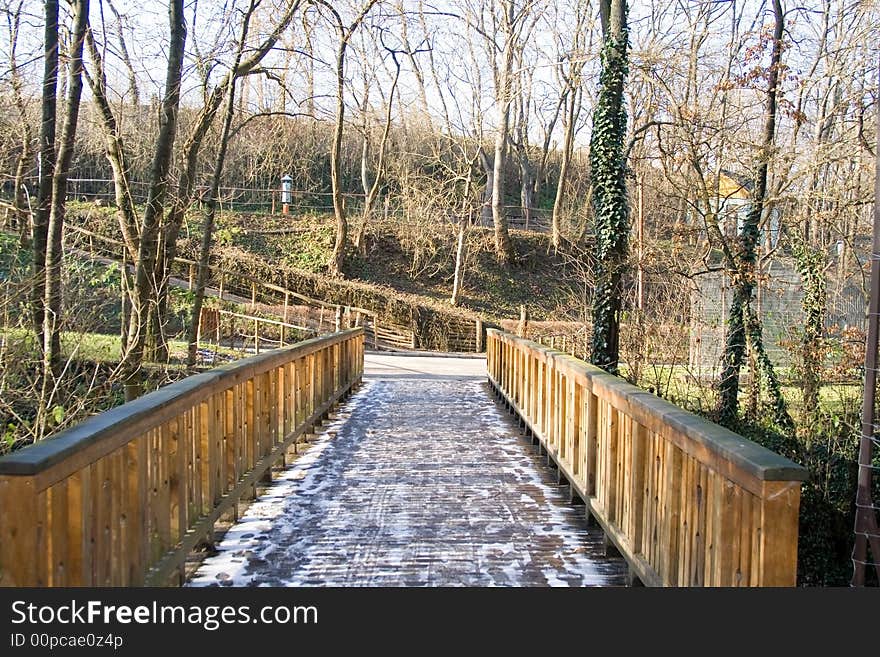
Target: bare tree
x,y
336,264
52,302
743,323
142,235
23,162
47,164
211,200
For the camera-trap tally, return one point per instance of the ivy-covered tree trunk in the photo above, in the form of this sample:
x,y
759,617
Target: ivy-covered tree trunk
x,y
743,324
608,177
810,263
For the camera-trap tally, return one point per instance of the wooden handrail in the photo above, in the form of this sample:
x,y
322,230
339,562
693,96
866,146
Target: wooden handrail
x,y
686,501
123,497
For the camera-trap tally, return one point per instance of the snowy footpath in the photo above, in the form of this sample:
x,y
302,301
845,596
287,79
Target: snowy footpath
x,y
422,480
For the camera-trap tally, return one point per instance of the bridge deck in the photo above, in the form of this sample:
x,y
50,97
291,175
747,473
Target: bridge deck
x,y
420,480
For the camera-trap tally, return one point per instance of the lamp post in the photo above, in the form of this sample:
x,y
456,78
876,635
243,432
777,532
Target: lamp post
x,y
286,182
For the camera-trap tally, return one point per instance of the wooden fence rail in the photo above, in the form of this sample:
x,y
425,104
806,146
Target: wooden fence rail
x,y
686,501
121,499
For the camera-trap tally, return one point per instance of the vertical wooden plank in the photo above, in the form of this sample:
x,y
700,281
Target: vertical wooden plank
x,y
230,441
74,565
686,538
194,433
89,526
729,532
636,486
208,458
137,532
700,539
176,478
103,506
42,554
163,487
591,455
575,404
711,547
218,456
743,575
672,511
299,392
58,531
779,503
611,430
118,526
250,431
622,469
540,396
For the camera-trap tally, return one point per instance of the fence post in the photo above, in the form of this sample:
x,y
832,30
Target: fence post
x,y
479,329
523,329
20,551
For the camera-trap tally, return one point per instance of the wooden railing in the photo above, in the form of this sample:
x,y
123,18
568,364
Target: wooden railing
x,y
121,499
685,501
462,335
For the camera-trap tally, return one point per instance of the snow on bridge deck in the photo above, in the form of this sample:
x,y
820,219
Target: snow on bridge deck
x,y
421,480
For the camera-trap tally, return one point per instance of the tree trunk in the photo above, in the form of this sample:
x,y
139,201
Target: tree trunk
x,y
211,203
527,187
608,176
47,164
503,247
22,215
567,149
336,265
371,192
145,284
19,198
489,169
52,304
745,259
459,264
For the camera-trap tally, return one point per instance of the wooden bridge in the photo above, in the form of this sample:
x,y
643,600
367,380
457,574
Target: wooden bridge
x,y
407,474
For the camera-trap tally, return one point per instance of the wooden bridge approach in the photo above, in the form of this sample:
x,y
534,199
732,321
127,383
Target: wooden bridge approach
x,y
523,468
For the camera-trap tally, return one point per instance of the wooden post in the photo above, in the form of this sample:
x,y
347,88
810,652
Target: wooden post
x,y
523,329
479,334
338,318
253,296
221,286
257,336
19,530
192,277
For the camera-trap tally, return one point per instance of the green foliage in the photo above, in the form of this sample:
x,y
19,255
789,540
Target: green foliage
x,y
12,257
810,263
827,498
610,204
